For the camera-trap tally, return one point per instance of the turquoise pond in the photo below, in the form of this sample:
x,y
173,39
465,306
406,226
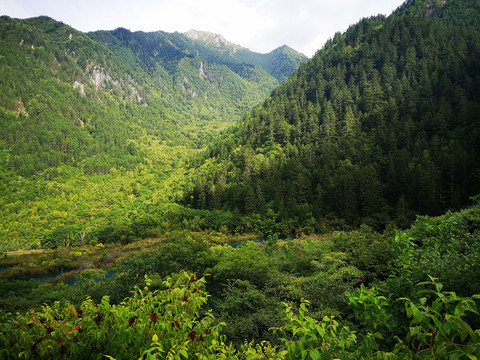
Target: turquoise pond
x,y
51,277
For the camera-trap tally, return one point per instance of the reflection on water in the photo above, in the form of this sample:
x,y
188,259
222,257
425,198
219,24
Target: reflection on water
x,y
5,268
110,273
43,278
236,244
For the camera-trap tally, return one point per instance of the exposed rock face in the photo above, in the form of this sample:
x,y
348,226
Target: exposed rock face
x,y
100,78
431,5
201,73
206,36
80,87
20,108
209,38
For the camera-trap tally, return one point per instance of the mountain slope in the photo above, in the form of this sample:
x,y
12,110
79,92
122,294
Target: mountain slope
x,y
138,84
92,126
380,125
279,63
212,77
54,107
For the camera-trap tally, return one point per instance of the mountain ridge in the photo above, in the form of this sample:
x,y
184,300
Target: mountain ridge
x,y
279,63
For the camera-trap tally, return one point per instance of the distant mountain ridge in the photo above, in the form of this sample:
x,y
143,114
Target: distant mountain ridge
x,y
279,63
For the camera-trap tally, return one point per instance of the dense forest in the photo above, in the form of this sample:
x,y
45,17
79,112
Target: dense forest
x,y
382,124
181,197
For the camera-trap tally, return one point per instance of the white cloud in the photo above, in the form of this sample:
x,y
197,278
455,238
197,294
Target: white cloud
x,y
261,25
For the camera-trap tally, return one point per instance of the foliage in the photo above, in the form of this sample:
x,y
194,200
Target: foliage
x,y
150,324
391,319
437,327
369,306
367,251
446,247
351,143
168,323
247,283
314,339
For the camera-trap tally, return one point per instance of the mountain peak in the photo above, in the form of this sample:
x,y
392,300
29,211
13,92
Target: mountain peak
x,y
203,35
285,49
210,38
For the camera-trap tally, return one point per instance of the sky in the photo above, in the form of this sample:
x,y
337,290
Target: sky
x,y
259,25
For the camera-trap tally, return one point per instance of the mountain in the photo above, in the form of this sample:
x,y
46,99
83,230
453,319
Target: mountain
x,y
381,124
161,84
280,63
92,123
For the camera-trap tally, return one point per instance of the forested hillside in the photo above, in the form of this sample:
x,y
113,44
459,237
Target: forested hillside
x,y
90,124
338,219
382,124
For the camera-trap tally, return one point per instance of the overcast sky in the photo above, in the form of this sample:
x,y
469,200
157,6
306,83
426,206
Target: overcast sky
x,y
260,25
